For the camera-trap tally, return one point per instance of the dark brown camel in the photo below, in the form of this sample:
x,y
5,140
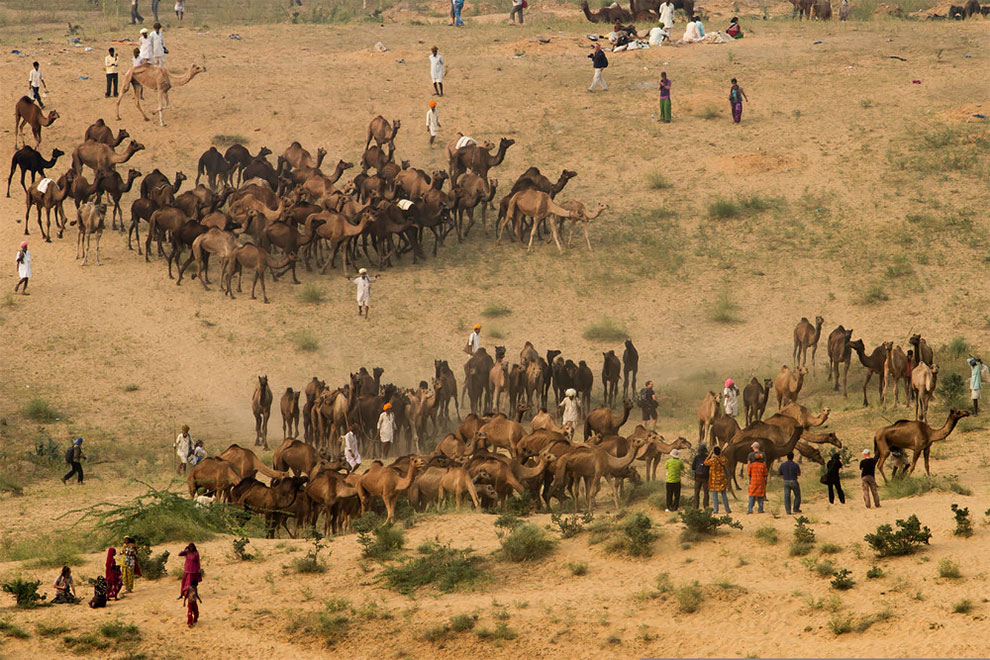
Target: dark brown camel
x,y
839,352
606,14
755,398
29,160
98,131
874,363
239,158
111,183
611,368
479,160
922,351
261,408
630,365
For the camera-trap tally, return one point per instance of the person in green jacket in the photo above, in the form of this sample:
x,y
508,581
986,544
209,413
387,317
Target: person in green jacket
x,y
674,467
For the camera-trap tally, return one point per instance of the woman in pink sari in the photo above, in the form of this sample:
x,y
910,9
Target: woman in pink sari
x,y
191,575
113,577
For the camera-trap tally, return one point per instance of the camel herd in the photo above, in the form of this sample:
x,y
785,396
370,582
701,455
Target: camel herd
x,y
249,209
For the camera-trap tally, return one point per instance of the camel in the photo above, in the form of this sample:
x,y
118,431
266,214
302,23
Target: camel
x,y
289,406
839,352
326,491
29,160
454,447
610,376
273,501
445,384
917,436
156,179
299,158
724,427
90,217
81,189
922,351
298,457
584,381
98,131
166,220
289,240
538,206
52,197
533,383
215,475
603,420
214,166
214,241
822,10
809,451
582,215
896,368
382,132
607,15
99,156
590,464
476,370
533,179
458,481
247,463
803,8
479,160
498,378
239,158
253,258
113,185
27,113
655,448
261,408
874,363
707,412
155,78
375,157
787,386
806,336
777,437
470,192
801,415
923,381
502,432
544,421
755,399
386,484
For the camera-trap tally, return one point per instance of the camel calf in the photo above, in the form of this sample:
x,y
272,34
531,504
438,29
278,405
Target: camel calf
x,y
290,413
91,217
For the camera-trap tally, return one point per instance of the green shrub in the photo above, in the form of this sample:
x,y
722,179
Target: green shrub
x,y
330,627
910,536
495,310
577,567
699,523
823,568
526,543
152,566
723,209
311,562
40,410
842,580
872,294
120,631
53,550
86,643
688,598
47,452
462,622
520,505
840,624
949,569
802,532
951,388
636,538
436,633
958,347
830,548
657,181
311,293
382,542
25,592
874,573
800,548
767,534
8,629
572,525
439,565
240,549
964,606
606,330
964,527
505,523
710,112
501,631
723,309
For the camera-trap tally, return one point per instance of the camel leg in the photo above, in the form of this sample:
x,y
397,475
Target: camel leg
x,y
162,102
532,233
553,232
928,452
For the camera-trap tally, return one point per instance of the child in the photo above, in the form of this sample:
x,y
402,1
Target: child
x,y
432,122
129,566
36,81
23,268
198,454
191,598
113,579
736,97
180,9
99,598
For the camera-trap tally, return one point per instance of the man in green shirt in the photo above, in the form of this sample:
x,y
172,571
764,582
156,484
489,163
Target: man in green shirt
x,y
674,467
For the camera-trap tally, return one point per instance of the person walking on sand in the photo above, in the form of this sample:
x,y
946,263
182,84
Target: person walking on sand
x,y
664,86
180,9
701,471
730,398
191,601
736,98
158,49
571,408
129,566
363,283
110,66
386,429
667,14
832,479
718,482
183,448
436,71
757,483
351,452
649,404
517,8
35,82
867,470
74,456
146,47
674,466
599,62
154,9
192,575
790,471
458,9
23,263
978,371
432,121
135,16
473,340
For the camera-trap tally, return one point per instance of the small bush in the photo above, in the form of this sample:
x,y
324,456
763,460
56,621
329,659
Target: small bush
x,y
964,527
495,310
636,536
577,567
331,627
8,629
657,181
462,622
958,347
527,543
842,580
723,209
723,309
913,486
874,573
949,569
571,526
830,548
505,524
152,566
606,330
710,112
702,522
822,568
439,565
800,548
49,630
311,562
767,534
120,631
229,140
688,598
304,340
312,294
85,643
802,532
436,633
9,484
964,606
910,536
40,411
871,295
840,624
951,389
240,549
382,542
520,505
501,631
25,592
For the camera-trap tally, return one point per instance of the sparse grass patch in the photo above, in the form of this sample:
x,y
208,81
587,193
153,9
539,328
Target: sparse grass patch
x,y
50,630
840,624
10,484
8,629
131,387
39,410
526,543
958,347
304,340
607,330
949,569
874,293
822,568
964,606
330,627
577,567
830,548
572,525
381,541
689,598
634,536
657,181
710,112
495,310
501,632
120,631
951,388
496,333
723,209
311,562
912,486
723,309
899,268
462,622
229,140
312,293
767,534
439,565
86,643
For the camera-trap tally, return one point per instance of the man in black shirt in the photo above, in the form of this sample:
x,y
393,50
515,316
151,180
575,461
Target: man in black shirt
x,y
790,471
867,469
648,402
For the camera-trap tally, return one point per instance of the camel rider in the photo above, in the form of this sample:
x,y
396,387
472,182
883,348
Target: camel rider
x,y
351,452
386,429
146,47
474,340
730,398
183,448
572,408
158,49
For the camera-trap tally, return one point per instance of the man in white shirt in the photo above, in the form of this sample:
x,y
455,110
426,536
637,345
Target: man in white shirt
x,y
667,15
517,8
182,446
157,46
436,72
474,340
110,65
145,46
571,407
37,81
432,122
363,283
386,429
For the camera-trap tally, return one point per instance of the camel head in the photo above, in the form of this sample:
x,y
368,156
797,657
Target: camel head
x,y
934,369
263,381
482,477
133,174
767,384
957,414
134,146
682,443
505,143
834,439
801,371
819,321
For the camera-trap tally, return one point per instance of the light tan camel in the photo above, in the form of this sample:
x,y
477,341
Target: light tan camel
x,y
452,446
261,408
916,436
604,421
502,432
91,217
656,448
99,156
923,382
326,490
26,112
253,258
544,421
98,131
707,411
215,475
581,215
458,481
289,406
298,157
787,385
387,484
538,206
498,382
299,457
52,198
338,232
800,414
590,464
247,463
896,369
806,336
155,78
214,241
382,132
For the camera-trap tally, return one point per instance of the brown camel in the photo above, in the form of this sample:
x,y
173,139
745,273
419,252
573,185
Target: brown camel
x,y
253,258
776,437
289,406
261,408
923,382
822,10
336,229
801,415
582,215
590,464
299,457
537,206
26,112
90,217
247,463
655,450
386,483
470,192
787,386
916,436
479,160
99,156
452,446
239,158
724,427
326,490
382,132
896,368
839,352
498,378
54,194
298,157
604,421
874,363
452,144
922,351
606,14
273,501
214,475
809,451
98,131
755,398
611,368
164,222
809,438
533,179
377,158
155,78
707,411
803,8
544,421
113,185
458,481
81,189
214,241
806,336
502,432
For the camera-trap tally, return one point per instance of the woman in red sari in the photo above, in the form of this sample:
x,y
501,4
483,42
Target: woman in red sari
x,y
113,577
191,575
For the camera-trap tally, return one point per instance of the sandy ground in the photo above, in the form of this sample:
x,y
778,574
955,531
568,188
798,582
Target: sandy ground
x,y
128,357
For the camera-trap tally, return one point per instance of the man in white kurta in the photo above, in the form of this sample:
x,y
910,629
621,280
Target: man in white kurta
x,y
157,46
667,15
23,268
363,283
386,429
351,452
145,47
572,408
182,446
691,34
436,72
474,340
432,121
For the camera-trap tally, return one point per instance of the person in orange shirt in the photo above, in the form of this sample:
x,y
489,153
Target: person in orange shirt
x,y
757,482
